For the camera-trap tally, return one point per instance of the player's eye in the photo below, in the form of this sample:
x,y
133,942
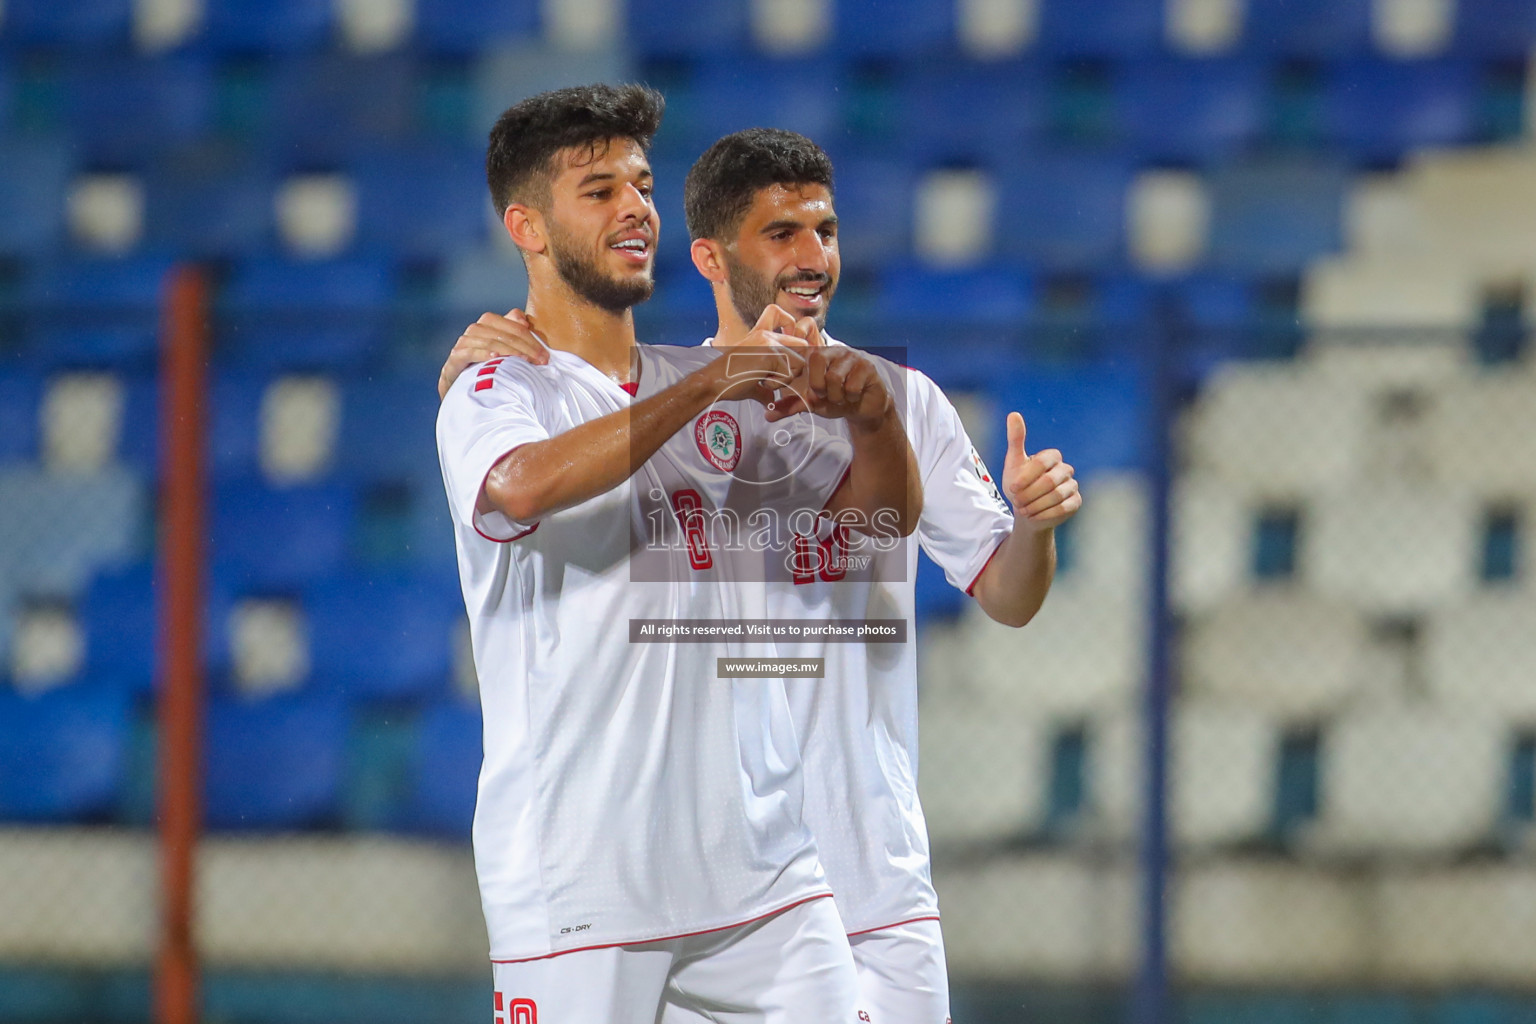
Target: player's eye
x,y
600,193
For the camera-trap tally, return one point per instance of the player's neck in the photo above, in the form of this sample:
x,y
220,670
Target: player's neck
x,y
732,330
601,337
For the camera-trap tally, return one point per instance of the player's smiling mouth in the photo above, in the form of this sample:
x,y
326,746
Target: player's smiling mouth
x,y
636,248
806,293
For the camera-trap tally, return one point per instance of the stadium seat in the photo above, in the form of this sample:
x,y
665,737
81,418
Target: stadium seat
x,y
1502,29
1381,110
210,200
96,312
1307,28
119,615
1411,779
970,112
1294,656
1393,549
233,424
460,28
34,180
1487,425
1189,110
728,95
936,598
1221,776
86,24
19,395
904,29
387,429
62,754
446,760
1399,291
1275,216
306,316
326,107
1064,210
266,26
124,110
984,775
874,211
1478,656
509,73
276,763
1271,430
382,638
1109,538
989,305
435,198
686,28
482,280
1117,28
1210,547
278,539
58,530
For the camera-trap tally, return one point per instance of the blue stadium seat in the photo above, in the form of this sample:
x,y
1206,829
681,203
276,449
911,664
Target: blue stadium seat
x,y
34,180
61,753
1275,216
96,312
1190,110
78,24
280,539
435,197
892,28
1307,28
1381,109
210,201
324,108
464,27
874,211
971,112
296,315
936,599
57,530
20,394
667,198
388,429
124,110
268,27
687,28
1063,210
920,306
447,771
1096,415
803,95
118,615
234,424
382,638
1504,29
276,763
1106,28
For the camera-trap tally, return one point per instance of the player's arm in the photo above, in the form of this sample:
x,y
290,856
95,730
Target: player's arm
x,y
1044,493
536,479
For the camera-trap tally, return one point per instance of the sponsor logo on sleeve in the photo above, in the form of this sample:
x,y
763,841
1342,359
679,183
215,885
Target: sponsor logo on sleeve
x,y
986,478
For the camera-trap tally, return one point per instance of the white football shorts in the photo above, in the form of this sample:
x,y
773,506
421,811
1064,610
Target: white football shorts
x,y
903,978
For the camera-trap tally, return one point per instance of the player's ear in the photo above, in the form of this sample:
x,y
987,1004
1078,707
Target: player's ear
x,y
709,259
525,226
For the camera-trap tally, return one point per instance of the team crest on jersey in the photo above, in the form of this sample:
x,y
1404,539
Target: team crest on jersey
x,y
985,477
719,439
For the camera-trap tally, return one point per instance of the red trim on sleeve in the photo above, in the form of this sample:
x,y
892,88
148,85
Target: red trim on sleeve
x,y
983,569
505,540
669,938
474,511
897,924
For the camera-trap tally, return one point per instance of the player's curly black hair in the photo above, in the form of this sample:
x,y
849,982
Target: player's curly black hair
x,y
520,154
722,183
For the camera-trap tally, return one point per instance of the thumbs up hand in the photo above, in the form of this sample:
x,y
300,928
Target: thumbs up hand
x,y
1041,487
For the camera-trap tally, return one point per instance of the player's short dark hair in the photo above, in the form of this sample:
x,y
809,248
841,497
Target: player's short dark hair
x,y
723,182
520,154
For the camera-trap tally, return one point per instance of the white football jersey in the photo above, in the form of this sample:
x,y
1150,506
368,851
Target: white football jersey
x,y
626,793
858,725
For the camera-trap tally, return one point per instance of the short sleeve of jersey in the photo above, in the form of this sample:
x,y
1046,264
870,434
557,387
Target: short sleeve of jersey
x,y
485,416
964,517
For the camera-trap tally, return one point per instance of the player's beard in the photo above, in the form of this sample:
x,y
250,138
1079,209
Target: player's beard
x,y
751,292
586,278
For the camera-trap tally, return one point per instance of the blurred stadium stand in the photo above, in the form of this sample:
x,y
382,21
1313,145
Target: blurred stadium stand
x,y
1324,209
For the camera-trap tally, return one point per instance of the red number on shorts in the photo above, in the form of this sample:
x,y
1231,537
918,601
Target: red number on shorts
x,y
518,1011
690,513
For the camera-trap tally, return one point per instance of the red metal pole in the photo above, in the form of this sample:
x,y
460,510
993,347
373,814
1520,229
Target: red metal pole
x,y
180,589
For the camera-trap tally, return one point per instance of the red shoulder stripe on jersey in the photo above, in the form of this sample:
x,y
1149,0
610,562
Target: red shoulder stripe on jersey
x,y
487,370
670,938
983,569
485,384
896,924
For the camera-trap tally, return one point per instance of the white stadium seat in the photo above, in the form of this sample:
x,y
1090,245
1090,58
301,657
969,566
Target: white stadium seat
x,y
1483,435
1420,779
1392,290
1480,656
1391,548
1293,655
1211,548
984,775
